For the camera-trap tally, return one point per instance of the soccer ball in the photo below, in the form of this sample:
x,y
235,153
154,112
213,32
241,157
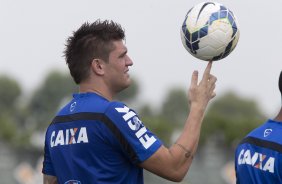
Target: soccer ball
x,y
210,31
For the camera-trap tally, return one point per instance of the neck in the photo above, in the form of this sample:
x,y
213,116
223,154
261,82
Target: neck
x,y
84,88
279,116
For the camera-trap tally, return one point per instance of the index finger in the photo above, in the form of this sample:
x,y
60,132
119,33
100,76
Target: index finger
x,y
207,71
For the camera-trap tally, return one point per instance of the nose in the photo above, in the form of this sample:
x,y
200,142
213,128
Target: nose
x,y
129,62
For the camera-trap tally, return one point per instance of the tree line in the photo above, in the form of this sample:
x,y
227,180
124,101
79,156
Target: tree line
x,y
228,119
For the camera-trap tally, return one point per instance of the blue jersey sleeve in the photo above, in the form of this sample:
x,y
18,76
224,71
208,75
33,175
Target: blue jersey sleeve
x,y
47,163
142,142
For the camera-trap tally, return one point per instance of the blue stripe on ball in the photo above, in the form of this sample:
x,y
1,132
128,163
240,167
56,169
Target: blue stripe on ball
x,y
223,14
228,49
217,57
195,46
188,44
186,32
213,17
230,18
223,8
195,36
203,32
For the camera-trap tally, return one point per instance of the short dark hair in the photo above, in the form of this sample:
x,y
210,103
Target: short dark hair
x,y
88,42
280,83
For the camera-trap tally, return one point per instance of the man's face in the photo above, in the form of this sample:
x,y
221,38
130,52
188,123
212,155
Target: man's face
x,y
117,76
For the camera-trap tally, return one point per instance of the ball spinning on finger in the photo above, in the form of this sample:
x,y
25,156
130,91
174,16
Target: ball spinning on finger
x,y
210,31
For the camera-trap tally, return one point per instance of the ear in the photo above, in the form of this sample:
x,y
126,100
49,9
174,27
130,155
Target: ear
x,y
98,66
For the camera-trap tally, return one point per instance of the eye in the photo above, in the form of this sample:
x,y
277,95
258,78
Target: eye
x,y
124,54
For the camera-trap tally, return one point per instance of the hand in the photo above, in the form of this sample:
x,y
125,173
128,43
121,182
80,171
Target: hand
x,y
200,94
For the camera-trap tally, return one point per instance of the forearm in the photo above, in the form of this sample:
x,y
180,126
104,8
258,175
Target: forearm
x,y
174,162
186,145
190,135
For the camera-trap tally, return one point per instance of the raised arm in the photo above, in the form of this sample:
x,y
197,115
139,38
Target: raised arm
x,y
173,163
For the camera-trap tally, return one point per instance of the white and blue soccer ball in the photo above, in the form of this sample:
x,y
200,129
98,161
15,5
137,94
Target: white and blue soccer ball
x,y
210,31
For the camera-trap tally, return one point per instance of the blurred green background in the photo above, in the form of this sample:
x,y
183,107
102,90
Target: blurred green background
x,y
25,117
33,34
